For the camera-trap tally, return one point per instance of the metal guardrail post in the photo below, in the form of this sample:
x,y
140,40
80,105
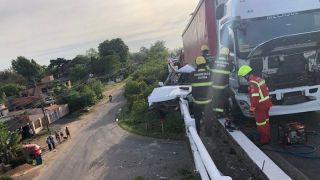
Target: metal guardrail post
x,y
203,161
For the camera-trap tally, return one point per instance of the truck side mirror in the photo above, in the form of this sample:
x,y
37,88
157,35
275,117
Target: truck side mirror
x,y
160,84
221,11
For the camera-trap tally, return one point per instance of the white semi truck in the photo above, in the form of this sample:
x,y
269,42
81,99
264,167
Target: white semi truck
x,y
280,40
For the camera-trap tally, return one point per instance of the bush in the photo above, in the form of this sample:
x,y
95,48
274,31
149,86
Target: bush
x,y
97,87
72,98
138,110
88,96
5,178
132,88
11,89
17,162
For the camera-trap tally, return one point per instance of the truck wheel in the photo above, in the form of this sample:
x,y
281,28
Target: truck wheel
x,y
233,107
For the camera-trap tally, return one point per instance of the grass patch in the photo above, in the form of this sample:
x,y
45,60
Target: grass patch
x,y
151,126
186,174
139,178
42,133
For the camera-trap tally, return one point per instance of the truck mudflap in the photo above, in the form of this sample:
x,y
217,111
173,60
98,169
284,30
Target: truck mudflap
x,y
310,94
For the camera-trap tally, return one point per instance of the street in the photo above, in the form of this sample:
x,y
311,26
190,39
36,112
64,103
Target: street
x,y
102,150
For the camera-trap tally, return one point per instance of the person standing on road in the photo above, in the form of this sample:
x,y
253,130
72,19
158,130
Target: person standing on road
x,y
201,82
68,132
61,135
220,72
110,98
52,141
260,102
57,136
49,144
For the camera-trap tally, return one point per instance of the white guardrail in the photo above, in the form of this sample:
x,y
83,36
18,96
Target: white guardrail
x,y
203,162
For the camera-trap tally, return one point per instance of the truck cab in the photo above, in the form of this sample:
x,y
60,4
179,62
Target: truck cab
x,y
280,40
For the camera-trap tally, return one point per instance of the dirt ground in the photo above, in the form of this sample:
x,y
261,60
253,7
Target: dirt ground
x,y
26,172
100,149
225,157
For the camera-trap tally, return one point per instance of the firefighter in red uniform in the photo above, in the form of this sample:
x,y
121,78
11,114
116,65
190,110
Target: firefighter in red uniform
x,y
260,102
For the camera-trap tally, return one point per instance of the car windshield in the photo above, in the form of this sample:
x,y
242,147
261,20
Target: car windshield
x,y
251,33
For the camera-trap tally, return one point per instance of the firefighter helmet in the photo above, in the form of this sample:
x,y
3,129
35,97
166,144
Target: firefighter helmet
x,y
200,60
244,70
224,51
204,48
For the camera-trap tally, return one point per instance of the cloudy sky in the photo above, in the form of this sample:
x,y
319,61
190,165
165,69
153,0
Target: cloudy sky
x,y
49,29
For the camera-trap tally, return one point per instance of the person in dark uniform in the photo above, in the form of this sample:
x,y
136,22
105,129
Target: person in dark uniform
x,y
207,56
220,72
201,82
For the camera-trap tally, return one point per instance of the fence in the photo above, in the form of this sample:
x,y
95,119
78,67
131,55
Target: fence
x,y
203,162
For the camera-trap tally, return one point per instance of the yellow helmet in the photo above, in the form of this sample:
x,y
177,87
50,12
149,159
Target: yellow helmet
x,y
224,51
204,48
244,70
200,60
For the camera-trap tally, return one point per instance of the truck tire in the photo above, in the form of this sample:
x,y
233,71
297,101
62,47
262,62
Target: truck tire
x,y
233,107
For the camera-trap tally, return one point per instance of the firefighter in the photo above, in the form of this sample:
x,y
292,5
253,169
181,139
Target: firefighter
x,y
201,82
260,102
207,56
220,72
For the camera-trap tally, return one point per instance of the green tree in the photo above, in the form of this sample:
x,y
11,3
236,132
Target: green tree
x,y
96,86
11,89
9,143
92,53
105,65
57,67
27,68
78,72
80,59
114,47
88,95
158,51
8,76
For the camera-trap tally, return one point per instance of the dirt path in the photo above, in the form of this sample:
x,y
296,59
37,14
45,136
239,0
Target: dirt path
x,y
100,149
74,125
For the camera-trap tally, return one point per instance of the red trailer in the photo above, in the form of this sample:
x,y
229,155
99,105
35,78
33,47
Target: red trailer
x,y
201,29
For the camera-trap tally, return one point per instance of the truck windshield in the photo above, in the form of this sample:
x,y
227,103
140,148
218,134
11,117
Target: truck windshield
x,y
252,32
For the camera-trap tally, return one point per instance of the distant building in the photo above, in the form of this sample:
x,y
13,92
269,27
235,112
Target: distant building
x,y
35,118
35,93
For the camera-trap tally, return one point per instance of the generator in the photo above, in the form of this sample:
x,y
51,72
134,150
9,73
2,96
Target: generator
x,y
292,133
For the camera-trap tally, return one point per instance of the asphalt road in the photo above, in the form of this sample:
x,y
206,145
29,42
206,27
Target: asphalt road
x,y
102,150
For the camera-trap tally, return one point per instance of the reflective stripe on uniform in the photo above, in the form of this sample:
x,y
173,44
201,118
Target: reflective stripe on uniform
x,y
255,95
262,97
219,87
201,70
222,58
262,123
201,84
201,102
218,110
220,71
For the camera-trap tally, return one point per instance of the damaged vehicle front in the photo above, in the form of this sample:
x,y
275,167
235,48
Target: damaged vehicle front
x,y
285,51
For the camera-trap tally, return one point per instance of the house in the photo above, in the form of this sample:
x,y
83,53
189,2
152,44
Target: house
x,y
35,94
20,103
44,88
35,118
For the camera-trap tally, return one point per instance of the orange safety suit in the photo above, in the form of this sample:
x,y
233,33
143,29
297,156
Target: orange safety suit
x,y
260,106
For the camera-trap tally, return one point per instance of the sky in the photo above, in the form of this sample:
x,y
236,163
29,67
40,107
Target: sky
x,y
44,30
